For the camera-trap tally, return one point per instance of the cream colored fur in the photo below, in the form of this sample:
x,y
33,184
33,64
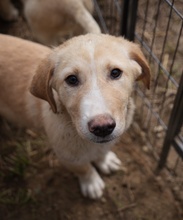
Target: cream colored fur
x,y
74,95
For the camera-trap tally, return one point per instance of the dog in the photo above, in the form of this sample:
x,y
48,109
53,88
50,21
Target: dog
x,y
53,22
79,93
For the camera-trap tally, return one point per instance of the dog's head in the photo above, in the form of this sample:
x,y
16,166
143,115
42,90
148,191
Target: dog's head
x,y
93,77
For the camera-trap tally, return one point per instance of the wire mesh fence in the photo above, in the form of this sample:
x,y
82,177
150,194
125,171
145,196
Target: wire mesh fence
x,y
157,27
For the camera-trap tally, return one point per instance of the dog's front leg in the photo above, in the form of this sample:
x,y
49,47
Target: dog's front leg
x,y
91,183
108,163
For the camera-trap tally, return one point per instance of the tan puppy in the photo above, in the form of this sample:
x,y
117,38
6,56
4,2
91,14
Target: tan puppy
x,y
53,21
81,97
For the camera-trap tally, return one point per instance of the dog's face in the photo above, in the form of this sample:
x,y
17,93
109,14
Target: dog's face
x,y
93,76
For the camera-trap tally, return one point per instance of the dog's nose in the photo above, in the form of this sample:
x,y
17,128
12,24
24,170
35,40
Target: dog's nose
x,y
102,125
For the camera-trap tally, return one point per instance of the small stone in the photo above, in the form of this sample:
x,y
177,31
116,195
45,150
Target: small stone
x,y
145,149
103,200
158,129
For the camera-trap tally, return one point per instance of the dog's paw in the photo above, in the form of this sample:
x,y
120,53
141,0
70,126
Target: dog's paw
x,y
109,164
92,185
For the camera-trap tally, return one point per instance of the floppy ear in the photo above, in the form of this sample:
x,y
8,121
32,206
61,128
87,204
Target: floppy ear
x,y
40,85
138,56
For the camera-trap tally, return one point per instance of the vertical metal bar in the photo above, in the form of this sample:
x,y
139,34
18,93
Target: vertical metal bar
x,y
124,17
170,71
145,19
163,47
143,32
155,29
174,125
128,18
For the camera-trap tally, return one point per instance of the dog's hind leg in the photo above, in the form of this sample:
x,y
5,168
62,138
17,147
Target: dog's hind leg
x,y
86,20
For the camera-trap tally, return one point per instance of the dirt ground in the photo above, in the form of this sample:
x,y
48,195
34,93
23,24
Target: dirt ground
x,y
34,186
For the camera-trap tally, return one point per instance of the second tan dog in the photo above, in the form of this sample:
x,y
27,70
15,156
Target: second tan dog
x,y
79,93
54,21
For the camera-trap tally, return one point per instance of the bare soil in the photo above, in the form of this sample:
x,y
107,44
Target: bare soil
x,y
33,185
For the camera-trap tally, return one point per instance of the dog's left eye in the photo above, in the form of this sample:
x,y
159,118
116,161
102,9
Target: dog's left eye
x,y
116,73
72,80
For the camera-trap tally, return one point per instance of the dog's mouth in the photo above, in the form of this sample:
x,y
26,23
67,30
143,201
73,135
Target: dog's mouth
x,y
103,140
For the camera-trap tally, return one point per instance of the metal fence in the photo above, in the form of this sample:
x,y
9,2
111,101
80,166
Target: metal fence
x,y
157,26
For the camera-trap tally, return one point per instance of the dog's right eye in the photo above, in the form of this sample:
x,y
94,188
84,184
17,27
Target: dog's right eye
x,y
72,80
